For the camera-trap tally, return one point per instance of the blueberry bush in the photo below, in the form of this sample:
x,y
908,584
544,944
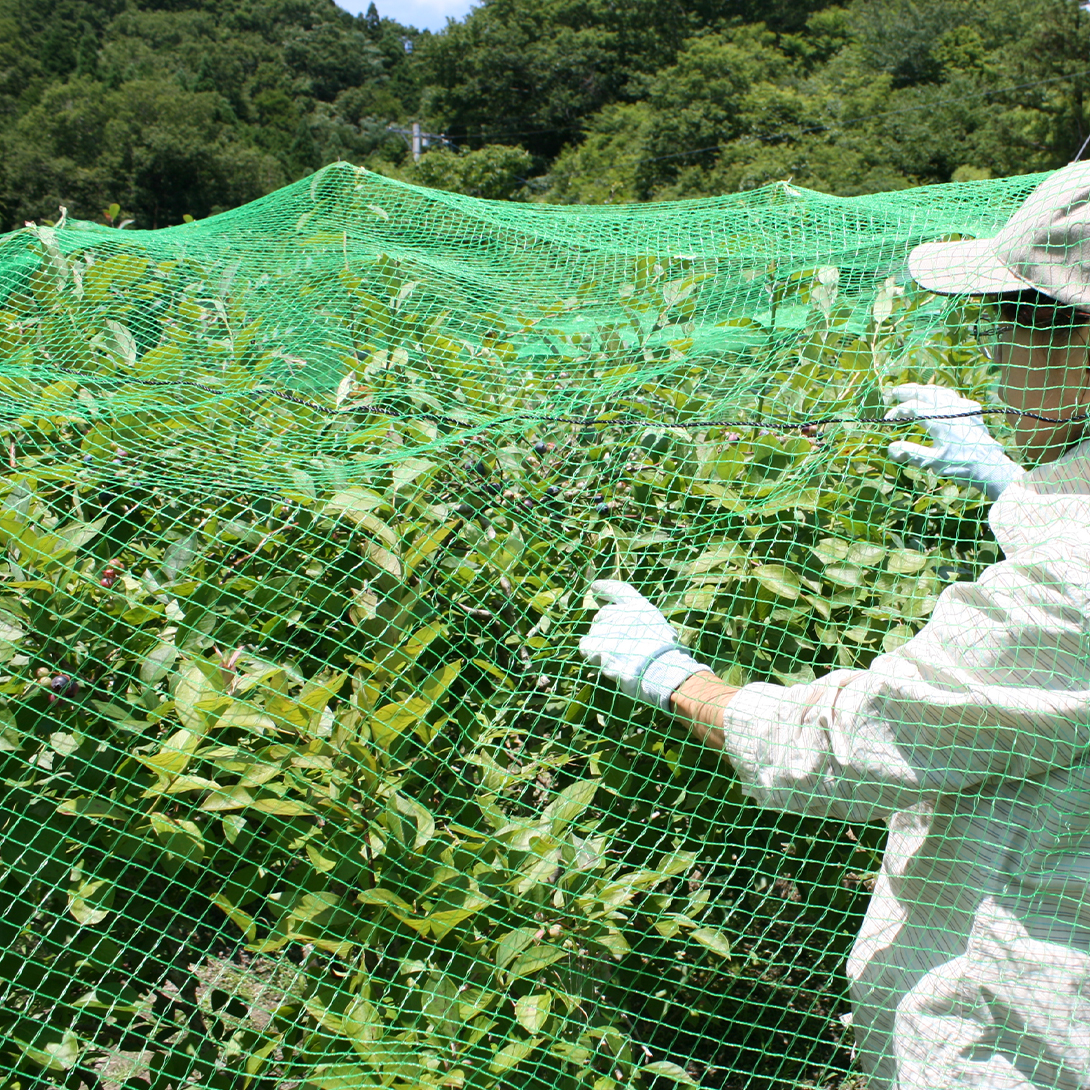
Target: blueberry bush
x,y
303,782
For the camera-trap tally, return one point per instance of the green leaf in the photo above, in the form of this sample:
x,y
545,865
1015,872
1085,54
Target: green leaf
x,y
896,637
511,1055
700,599
282,807
158,662
392,720
95,809
906,561
437,684
174,754
536,959
198,692
62,1055
380,896
342,1077
63,743
242,920
117,341
676,863
677,291
532,1011
569,805
316,694
71,538
780,580
715,556
419,815
844,575
865,554
386,898
412,471
441,923
233,827
240,715
355,503
180,838
667,1070
831,549
179,555
615,943
362,1024
91,902
227,798
513,943
713,940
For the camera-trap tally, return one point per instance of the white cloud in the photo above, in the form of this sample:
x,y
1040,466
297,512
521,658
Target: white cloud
x,y
422,14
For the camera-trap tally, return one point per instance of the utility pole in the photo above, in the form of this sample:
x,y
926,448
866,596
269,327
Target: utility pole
x,y
418,140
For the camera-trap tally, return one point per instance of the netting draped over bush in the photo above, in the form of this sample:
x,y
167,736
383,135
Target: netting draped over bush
x,y
302,780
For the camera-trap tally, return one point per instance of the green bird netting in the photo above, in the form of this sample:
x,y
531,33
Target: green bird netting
x,y
305,782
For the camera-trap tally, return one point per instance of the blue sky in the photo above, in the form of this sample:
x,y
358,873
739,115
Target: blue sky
x,y
422,14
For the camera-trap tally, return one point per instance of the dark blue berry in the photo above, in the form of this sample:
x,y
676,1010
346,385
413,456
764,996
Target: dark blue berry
x,y
62,684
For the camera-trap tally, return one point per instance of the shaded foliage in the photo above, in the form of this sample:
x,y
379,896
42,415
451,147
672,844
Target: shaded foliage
x,y
176,108
880,95
647,100
494,171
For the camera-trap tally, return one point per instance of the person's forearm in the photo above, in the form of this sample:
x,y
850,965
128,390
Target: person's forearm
x,y
701,699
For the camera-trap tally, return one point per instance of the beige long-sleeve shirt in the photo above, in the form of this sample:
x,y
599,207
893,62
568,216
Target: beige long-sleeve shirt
x,y
972,741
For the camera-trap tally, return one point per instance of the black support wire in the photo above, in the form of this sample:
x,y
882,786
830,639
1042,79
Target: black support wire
x,y
583,421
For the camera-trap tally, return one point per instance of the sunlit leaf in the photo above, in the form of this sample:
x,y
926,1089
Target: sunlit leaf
x,y
714,940
664,1069
532,1011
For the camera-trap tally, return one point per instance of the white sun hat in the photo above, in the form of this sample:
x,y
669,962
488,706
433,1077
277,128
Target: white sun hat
x,y
1044,246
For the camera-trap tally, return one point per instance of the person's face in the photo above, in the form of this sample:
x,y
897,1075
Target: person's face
x,y
1044,371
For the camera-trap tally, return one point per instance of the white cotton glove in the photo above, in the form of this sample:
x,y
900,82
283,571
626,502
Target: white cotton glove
x,y
633,643
964,449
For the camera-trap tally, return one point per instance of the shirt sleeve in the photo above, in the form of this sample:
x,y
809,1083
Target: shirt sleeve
x,y
997,684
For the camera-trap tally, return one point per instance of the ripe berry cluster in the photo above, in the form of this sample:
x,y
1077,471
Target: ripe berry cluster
x,y
59,685
111,573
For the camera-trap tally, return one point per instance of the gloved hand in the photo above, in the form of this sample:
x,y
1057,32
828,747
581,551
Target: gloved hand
x,y
964,449
633,643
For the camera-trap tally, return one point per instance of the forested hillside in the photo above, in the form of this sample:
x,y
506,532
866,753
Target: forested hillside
x,y
168,108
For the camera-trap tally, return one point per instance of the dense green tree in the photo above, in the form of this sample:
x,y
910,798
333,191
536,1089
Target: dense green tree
x,y
159,151
328,60
496,171
372,24
899,36
603,167
187,106
708,98
841,107
531,71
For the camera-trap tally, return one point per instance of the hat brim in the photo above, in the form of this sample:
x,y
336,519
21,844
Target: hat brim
x,y
962,268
